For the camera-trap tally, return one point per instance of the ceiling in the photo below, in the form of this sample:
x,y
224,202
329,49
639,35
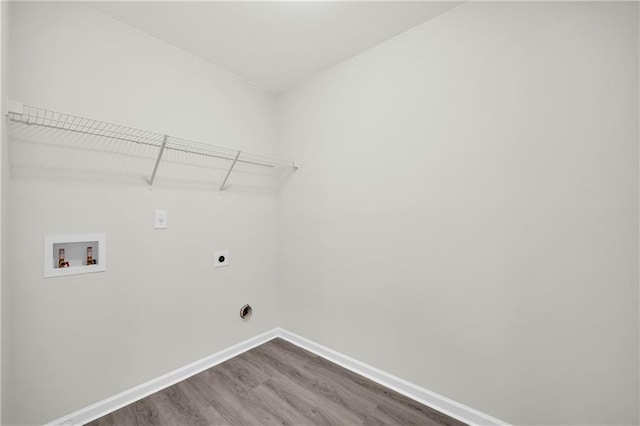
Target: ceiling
x,y
273,45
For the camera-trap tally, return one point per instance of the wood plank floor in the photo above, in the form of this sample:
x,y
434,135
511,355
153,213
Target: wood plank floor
x,y
276,383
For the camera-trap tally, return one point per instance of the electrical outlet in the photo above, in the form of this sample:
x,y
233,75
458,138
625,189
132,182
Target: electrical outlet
x,y
160,219
221,258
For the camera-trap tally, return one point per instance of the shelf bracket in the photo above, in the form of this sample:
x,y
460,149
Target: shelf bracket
x,y
155,168
235,160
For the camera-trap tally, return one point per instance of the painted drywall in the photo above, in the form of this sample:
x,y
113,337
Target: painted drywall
x,y
466,211
160,305
465,215
4,78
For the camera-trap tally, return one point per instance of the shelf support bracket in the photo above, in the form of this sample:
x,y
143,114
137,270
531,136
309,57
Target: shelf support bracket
x,y
235,160
155,168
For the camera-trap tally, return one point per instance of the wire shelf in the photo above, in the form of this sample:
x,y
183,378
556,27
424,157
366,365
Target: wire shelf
x,y
165,146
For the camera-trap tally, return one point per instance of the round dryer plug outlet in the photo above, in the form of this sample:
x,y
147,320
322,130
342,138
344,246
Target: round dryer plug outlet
x,y
246,311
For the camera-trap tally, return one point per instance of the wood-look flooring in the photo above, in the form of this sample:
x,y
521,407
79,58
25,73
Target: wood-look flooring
x,y
276,383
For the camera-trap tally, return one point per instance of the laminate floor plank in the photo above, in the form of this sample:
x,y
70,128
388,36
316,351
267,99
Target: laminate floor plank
x,y
288,383
313,409
227,396
276,383
248,374
387,400
360,388
287,352
290,414
146,413
181,404
330,392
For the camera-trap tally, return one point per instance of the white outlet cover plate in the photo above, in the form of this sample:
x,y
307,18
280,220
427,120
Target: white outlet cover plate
x,y
160,219
216,258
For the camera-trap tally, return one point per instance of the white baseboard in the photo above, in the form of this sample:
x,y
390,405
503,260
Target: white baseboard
x,y
431,399
106,406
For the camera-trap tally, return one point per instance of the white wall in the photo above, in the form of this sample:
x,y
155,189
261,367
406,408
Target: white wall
x,y
160,304
466,211
4,170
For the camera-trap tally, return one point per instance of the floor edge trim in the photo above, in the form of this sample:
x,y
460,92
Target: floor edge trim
x,y
424,396
129,396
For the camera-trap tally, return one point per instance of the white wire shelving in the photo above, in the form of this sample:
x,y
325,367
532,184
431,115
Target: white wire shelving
x,y
230,159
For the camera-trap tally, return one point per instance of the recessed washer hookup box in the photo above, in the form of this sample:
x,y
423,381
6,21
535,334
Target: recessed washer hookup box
x,y
74,254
